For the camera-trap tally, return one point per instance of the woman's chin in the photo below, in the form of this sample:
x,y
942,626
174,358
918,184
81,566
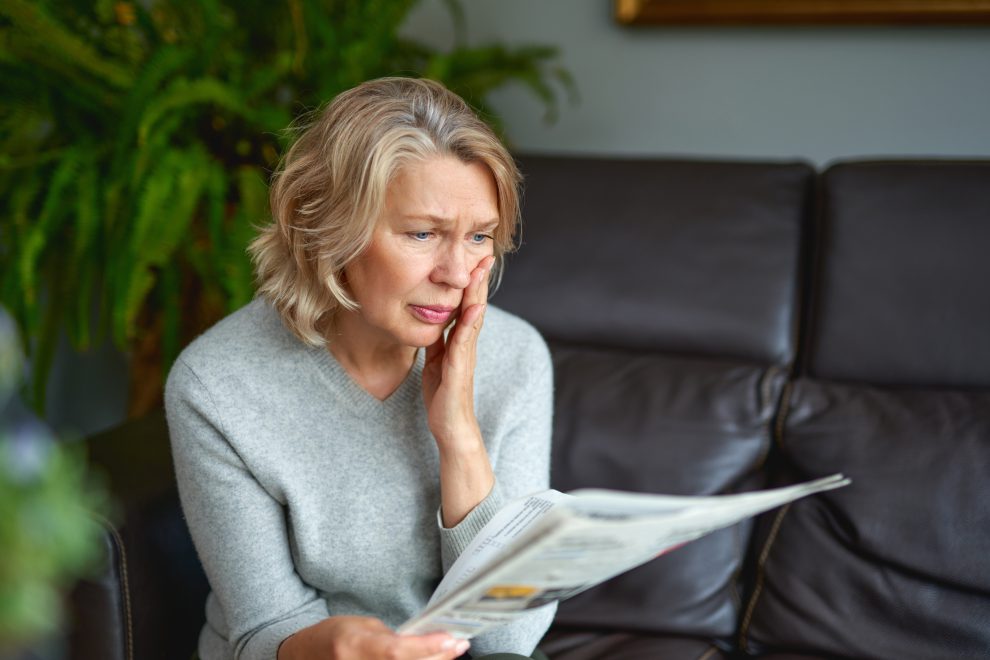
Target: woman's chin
x,y
426,337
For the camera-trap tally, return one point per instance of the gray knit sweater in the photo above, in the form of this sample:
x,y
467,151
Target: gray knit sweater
x,y
307,497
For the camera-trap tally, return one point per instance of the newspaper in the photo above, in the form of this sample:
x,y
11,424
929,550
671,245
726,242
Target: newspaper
x,y
551,545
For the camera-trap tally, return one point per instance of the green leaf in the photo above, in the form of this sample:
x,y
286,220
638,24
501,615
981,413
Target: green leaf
x,y
46,339
236,276
216,208
182,93
83,265
165,212
170,300
42,232
162,64
49,36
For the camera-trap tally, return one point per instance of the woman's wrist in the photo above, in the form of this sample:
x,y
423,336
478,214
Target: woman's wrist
x,y
466,478
462,439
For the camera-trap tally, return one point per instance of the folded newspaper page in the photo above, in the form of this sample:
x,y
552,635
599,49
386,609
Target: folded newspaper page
x,y
551,545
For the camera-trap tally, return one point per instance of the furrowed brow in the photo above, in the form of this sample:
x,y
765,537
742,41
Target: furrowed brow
x,y
484,225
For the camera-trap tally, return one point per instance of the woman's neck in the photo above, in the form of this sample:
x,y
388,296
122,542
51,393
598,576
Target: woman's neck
x,y
378,367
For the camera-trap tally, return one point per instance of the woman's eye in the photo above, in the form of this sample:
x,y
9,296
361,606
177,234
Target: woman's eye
x,y
479,238
420,235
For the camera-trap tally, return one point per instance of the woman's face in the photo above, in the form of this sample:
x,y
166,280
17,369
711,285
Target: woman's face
x,y
438,222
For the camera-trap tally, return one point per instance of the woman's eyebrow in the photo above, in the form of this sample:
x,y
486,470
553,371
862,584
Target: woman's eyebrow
x,y
487,226
440,220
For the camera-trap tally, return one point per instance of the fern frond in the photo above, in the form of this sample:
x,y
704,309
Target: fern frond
x,y
22,200
170,302
216,203
236,277
52,73
42,233
31,20
162,64
128,281
83,266
182,93
45,342
165,213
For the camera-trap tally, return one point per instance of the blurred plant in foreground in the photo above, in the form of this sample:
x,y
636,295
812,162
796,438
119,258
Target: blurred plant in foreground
x,y
48,535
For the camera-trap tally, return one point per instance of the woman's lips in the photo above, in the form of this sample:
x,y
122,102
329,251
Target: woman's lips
x,y
432,314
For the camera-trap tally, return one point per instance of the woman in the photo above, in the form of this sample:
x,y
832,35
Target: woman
x,y
340,440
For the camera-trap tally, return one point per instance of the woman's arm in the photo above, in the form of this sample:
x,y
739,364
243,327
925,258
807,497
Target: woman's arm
x,y
238,528
466,476
469,492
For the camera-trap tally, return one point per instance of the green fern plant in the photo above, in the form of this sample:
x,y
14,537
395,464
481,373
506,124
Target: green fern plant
x,y
136,140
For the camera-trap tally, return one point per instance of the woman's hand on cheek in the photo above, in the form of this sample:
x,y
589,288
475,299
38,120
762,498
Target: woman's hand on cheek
x,y
359,637
466,475
448,374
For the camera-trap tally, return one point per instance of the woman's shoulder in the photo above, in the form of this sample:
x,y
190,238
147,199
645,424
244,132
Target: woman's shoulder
x,y
511,341
238,341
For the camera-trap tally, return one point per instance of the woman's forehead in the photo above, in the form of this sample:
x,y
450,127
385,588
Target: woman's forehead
x,y
444,189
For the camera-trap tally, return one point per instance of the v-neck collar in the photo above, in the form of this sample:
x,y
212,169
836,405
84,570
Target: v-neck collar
x,y
405,395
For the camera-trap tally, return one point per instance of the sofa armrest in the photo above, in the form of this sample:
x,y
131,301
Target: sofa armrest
x,y
147,599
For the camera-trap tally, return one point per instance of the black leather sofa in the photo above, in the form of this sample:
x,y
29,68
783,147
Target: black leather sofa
x,y
716,327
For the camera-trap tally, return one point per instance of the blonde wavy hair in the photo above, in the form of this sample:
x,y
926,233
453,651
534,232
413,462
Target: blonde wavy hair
x,y
329,190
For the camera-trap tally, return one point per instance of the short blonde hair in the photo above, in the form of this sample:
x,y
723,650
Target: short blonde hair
x,y
330,189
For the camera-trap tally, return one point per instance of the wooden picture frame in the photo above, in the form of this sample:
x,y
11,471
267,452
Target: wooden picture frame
x,y
811,12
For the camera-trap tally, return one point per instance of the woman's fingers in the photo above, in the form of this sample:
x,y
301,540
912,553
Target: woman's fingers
x,y
435,646
464,334
464,338
476,292
360,637
448,372
440,646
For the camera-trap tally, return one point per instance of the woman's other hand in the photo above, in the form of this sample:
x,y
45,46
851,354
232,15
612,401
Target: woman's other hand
x,y
360,637
466,476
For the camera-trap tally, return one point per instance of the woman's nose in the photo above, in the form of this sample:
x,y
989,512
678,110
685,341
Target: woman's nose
x,y
452,268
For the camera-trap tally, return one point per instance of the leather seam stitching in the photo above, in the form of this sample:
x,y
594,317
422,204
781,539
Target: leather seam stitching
x,y
760,576
708,654
125,591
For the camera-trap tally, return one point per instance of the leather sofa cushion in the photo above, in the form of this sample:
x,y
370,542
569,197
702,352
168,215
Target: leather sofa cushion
x,y
653,423
593,645
896,564
901,290
661,255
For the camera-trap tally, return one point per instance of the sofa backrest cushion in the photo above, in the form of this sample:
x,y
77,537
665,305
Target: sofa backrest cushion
x,y
668,292
654,423
896,395
663,255
902,291
895,564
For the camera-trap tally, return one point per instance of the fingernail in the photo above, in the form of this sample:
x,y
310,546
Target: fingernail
x,y
462,647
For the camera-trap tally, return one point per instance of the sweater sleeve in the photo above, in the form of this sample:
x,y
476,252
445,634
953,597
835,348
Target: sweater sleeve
x,y
238,528
522,467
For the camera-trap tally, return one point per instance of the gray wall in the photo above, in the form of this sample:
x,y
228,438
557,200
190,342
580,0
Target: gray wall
x,y
818,93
